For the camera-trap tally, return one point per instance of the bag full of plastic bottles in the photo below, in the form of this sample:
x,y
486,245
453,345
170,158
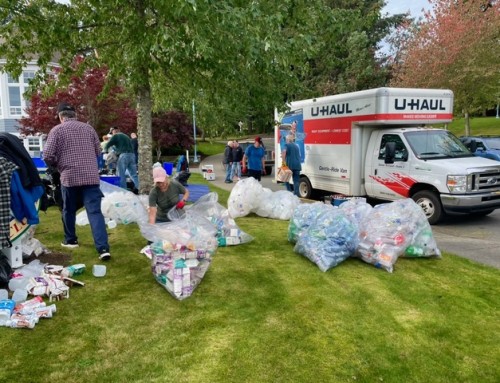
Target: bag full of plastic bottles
x,y
392,229
329,240
228,232
303,216
181,253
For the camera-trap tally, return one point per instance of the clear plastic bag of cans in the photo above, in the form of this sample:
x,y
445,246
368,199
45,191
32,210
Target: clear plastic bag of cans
x,y
395,229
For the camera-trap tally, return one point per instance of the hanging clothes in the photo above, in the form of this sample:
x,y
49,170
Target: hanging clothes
x,y
13,150
7,168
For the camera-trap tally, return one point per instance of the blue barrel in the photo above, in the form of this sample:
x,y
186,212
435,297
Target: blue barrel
x,y
169,167
337,201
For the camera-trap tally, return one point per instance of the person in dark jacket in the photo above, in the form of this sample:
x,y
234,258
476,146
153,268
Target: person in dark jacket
x,y
237,157
291,157
126,157
228,161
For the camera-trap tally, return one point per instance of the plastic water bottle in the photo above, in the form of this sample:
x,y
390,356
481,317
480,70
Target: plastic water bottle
x,y
20,295
22,323
414,251
6,308
4,294
45,312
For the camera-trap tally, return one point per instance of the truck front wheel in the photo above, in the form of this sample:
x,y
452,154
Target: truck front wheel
x,y
430,204
305,188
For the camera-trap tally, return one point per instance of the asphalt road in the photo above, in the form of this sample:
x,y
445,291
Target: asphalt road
x,y
465,236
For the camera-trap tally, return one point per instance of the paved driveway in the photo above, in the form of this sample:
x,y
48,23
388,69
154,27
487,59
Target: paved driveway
x,y
477,239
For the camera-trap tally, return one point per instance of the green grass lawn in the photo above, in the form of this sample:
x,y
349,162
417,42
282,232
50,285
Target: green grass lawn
x,y
262,314
479,126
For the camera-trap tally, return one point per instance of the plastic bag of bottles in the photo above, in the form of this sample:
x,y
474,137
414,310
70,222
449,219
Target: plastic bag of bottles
x,y
329,240
121,205
248,196
228,232
303,216
193,230
181,252
244,197
356,208
179,268
276,205
391,228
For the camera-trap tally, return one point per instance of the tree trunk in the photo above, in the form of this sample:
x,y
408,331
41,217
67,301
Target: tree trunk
x,y
144,128
467,123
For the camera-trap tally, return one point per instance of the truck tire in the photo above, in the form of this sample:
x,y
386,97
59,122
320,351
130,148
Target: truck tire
x,y
430,204
305,188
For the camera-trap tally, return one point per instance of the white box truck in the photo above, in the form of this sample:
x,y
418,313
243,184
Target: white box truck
x,y
374,143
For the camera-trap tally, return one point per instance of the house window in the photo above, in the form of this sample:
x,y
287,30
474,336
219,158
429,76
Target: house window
x,y
16,88
28,76
34,144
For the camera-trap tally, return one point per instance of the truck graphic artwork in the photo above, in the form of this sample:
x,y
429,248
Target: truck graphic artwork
x,y
397,182
379,143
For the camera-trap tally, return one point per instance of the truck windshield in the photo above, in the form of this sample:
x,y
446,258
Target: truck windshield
x,y
436,144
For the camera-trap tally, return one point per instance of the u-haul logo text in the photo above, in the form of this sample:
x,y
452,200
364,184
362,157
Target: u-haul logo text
x,y
331,110
418,104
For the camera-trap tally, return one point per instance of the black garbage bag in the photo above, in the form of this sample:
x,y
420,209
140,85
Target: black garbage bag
x,y
5,271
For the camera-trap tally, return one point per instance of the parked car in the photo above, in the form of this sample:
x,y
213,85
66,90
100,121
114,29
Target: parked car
x,y
269,159
483,146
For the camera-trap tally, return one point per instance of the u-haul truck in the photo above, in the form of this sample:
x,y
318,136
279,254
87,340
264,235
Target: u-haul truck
x,y
374,143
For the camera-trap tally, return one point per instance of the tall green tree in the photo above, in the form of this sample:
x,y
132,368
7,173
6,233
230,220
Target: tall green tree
x,y
347,48
456,46
214,46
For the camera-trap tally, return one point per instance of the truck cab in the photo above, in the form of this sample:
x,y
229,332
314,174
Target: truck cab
x,y
434,168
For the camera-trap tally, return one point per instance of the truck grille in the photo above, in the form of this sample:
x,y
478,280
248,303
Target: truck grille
x,y
486,180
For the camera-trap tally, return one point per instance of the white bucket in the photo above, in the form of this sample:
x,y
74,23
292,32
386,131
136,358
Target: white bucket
x,y
99,270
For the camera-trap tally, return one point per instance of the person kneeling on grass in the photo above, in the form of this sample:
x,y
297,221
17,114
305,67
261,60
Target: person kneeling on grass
x,y
164,196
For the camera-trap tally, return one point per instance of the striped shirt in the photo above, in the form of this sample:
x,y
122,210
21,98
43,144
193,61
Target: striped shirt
x,y
73,147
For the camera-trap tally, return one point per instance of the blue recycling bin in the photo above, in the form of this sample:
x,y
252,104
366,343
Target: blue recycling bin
x,y
169,167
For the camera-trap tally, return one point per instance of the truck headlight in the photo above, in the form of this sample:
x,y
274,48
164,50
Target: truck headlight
x,y
458,184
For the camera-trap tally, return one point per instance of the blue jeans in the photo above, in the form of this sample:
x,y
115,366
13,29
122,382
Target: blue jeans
x,y
236,170
229,167
296,181
91,196
126,161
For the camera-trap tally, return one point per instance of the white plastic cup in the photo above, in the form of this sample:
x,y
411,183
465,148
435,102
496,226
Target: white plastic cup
x,y
111,224
99,270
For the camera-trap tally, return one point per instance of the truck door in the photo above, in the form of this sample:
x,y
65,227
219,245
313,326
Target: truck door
x,y
388,176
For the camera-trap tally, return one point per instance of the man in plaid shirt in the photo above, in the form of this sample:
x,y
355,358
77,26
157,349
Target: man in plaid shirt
x,y
73,147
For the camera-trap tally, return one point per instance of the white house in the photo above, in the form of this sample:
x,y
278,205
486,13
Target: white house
x,y
13,105
12,101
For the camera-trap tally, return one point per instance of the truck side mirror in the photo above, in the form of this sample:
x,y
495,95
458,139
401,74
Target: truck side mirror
x,y
390,152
